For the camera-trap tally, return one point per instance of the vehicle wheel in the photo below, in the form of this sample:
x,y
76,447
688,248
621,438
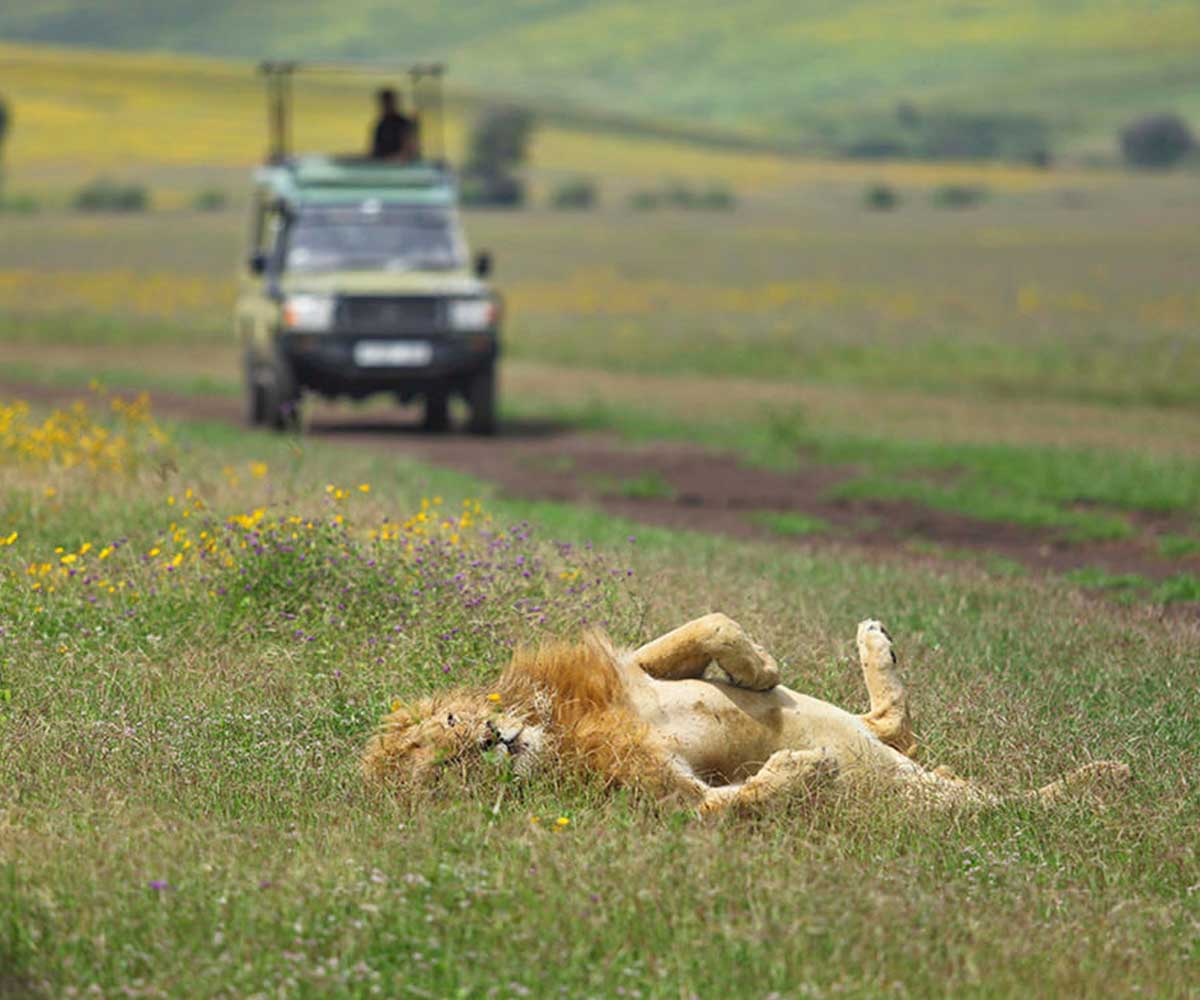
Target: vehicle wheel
x,y
254,402
437,412
282,397
481,398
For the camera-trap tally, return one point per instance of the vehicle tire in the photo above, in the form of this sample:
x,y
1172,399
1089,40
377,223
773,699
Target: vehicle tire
x,y
437,412
282,397
481,398
254,402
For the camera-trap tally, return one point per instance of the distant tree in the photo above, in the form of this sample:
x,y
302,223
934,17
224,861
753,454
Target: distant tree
x,y
499,142
1156,141
574,194
5,122
497,146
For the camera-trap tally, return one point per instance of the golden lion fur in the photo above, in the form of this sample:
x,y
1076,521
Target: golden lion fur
x,y
650,718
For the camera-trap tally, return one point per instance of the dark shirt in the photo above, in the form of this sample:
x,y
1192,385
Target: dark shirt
x,y
393,136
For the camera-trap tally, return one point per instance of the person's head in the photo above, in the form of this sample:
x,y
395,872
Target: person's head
x,y
388,101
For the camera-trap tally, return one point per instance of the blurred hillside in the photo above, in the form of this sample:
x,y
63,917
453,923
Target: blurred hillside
x,y
854,75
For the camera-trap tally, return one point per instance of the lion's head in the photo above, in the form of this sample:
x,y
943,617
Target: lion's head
x,y
417,741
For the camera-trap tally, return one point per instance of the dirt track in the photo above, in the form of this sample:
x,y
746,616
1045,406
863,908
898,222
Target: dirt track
x,y
686,486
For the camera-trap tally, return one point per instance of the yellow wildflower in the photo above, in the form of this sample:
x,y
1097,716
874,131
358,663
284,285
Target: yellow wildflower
x,y
494,698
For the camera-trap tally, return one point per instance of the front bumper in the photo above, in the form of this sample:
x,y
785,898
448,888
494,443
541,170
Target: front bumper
x,y
325,363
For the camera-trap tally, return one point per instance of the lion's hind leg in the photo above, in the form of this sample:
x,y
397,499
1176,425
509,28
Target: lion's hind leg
x,y
888,718
685,652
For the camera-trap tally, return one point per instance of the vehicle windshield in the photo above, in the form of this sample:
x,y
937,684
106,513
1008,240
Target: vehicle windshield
x,y
373,237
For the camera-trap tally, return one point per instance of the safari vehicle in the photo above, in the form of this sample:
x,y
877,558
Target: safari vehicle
x,y
358,282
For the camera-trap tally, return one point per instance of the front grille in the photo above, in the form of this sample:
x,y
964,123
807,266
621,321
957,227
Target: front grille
x,y
368,315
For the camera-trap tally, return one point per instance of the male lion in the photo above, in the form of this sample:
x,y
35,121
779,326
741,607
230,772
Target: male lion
x,y
649,718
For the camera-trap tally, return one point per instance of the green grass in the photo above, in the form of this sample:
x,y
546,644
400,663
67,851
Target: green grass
x,y
1180,587
1076,494
1051,488
1125,586
790,523
769,68
647,486
200,743
1174,546
1129,587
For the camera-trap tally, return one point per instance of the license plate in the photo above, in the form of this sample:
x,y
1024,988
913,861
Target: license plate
x,y
392,353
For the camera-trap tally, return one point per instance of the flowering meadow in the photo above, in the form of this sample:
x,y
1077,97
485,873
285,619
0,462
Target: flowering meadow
x,y
326,570
199,629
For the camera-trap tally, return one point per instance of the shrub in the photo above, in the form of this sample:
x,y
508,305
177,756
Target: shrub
x,y
210,200
948,135
677,194
5,122
958,195
496,190
876,147
106,195
644,201
716,197
880,197
576,193
1156,141
499,140
955,136
498,145
19,204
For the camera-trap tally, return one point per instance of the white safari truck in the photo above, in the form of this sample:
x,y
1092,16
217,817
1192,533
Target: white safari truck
x,y
358,281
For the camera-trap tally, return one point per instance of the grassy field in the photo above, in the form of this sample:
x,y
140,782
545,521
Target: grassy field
x,y
1030,361
200,627
182,123
771,68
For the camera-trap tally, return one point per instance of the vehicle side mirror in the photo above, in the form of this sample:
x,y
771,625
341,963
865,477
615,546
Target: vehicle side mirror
x,y
258,262
483,264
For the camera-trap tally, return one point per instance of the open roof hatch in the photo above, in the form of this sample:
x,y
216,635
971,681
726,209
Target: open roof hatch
x,y
424,90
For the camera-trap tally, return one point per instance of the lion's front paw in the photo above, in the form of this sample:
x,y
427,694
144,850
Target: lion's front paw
x,y
788,766
767,674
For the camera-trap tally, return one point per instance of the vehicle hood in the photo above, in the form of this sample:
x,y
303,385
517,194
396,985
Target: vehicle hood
x,y
437,283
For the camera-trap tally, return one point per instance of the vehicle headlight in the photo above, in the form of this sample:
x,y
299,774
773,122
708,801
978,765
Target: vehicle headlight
x,y
472,314
308,312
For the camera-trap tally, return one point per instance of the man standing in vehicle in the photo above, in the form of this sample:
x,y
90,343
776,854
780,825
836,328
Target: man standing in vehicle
x,y
395,134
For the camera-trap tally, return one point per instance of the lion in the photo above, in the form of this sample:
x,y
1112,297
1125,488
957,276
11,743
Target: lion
x,y
650,718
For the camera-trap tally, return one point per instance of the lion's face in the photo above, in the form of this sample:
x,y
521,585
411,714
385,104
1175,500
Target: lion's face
x,y
461,731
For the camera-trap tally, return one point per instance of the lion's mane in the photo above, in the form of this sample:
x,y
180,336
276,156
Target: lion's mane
x,y
572,690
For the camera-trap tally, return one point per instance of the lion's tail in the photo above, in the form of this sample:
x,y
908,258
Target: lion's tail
x,y
1094,777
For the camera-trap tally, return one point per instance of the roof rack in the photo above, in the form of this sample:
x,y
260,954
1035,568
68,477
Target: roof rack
x,y
357,180
425,88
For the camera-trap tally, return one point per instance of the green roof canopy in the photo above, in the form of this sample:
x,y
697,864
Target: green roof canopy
x,y
329,180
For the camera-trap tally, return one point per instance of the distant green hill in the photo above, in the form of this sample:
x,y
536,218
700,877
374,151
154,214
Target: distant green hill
x,y
829,73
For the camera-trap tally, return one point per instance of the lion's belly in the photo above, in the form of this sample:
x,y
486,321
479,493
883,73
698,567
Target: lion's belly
x,y
727,733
